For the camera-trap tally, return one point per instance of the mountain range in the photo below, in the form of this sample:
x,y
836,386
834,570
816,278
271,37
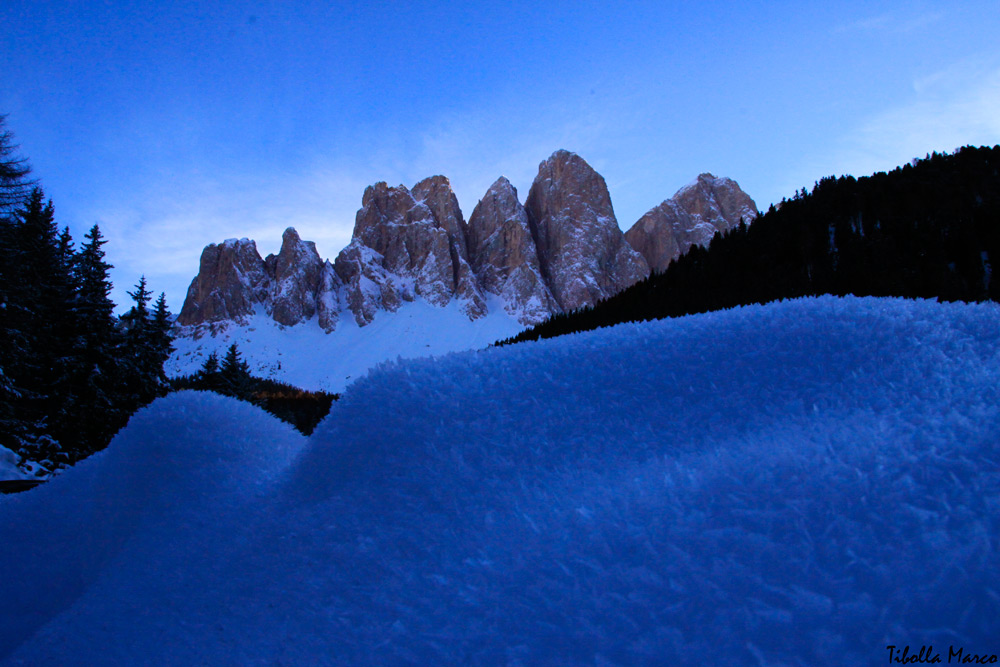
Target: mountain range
x,y
510,265
927,230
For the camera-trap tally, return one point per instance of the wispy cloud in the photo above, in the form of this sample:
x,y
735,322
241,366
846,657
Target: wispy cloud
x,y
949,108
891,22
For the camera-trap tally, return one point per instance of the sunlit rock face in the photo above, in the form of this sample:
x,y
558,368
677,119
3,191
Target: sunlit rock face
x,y
297,280
292,286
581,250
503,255
561,250
691,217
408,246
231,279
436,193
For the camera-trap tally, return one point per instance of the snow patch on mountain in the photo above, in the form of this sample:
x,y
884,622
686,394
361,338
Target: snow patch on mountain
x,y
306,356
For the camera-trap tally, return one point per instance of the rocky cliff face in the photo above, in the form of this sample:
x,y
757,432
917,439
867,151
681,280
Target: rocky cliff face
x,y
296,275
584,256
504,256
408,244
436,193
693,216
233,279
561,250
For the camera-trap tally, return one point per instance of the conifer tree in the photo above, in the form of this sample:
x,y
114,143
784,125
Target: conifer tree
x,y
207,376
161,337
211,365
38,310
139,376
146,347
14,187
138,315
97,347
234,373
14,170
92,273
70,371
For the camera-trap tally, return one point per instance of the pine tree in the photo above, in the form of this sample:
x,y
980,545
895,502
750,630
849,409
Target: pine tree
x,y
146,347
14,187
140,377
161,337
39,304
208,376
211,365
234,373
97,345
70,371
92,273
137,318
14,170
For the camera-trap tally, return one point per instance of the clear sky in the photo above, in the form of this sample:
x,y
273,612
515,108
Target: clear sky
x,y
178,124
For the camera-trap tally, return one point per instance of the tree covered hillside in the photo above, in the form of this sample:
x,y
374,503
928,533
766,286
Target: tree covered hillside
x,y
930,229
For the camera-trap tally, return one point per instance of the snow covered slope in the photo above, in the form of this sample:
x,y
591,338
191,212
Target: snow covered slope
x,y
802,483
307,357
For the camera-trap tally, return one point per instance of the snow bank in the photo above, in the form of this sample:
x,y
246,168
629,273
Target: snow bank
x,y
133,519
800,483
8,465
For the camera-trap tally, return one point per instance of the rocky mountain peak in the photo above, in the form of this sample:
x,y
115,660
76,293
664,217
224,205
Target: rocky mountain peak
x,y
231,279
296,274
697,212
582,251
503,254
436,193
712,198
410,246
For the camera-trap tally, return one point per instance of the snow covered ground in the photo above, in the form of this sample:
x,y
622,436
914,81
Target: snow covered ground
x,y
307,357
8,465
804,483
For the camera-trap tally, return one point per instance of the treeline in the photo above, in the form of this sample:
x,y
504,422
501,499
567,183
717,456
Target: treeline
x,y
231,377
929,229
71,371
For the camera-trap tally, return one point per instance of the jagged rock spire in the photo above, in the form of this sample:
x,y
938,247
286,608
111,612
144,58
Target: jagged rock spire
x,y
503,255
583,253
695,214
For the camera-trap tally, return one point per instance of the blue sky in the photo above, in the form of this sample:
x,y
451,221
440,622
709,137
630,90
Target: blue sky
x,y
178,124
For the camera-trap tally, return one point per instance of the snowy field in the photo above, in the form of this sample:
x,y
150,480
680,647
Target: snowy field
x,y
330,362
804,483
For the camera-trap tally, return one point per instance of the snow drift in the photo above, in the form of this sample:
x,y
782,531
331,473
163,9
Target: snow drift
x,y
8,465
800,483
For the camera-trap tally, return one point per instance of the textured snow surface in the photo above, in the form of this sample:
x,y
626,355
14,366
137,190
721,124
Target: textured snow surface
x,y
8,465
802,483
307,357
